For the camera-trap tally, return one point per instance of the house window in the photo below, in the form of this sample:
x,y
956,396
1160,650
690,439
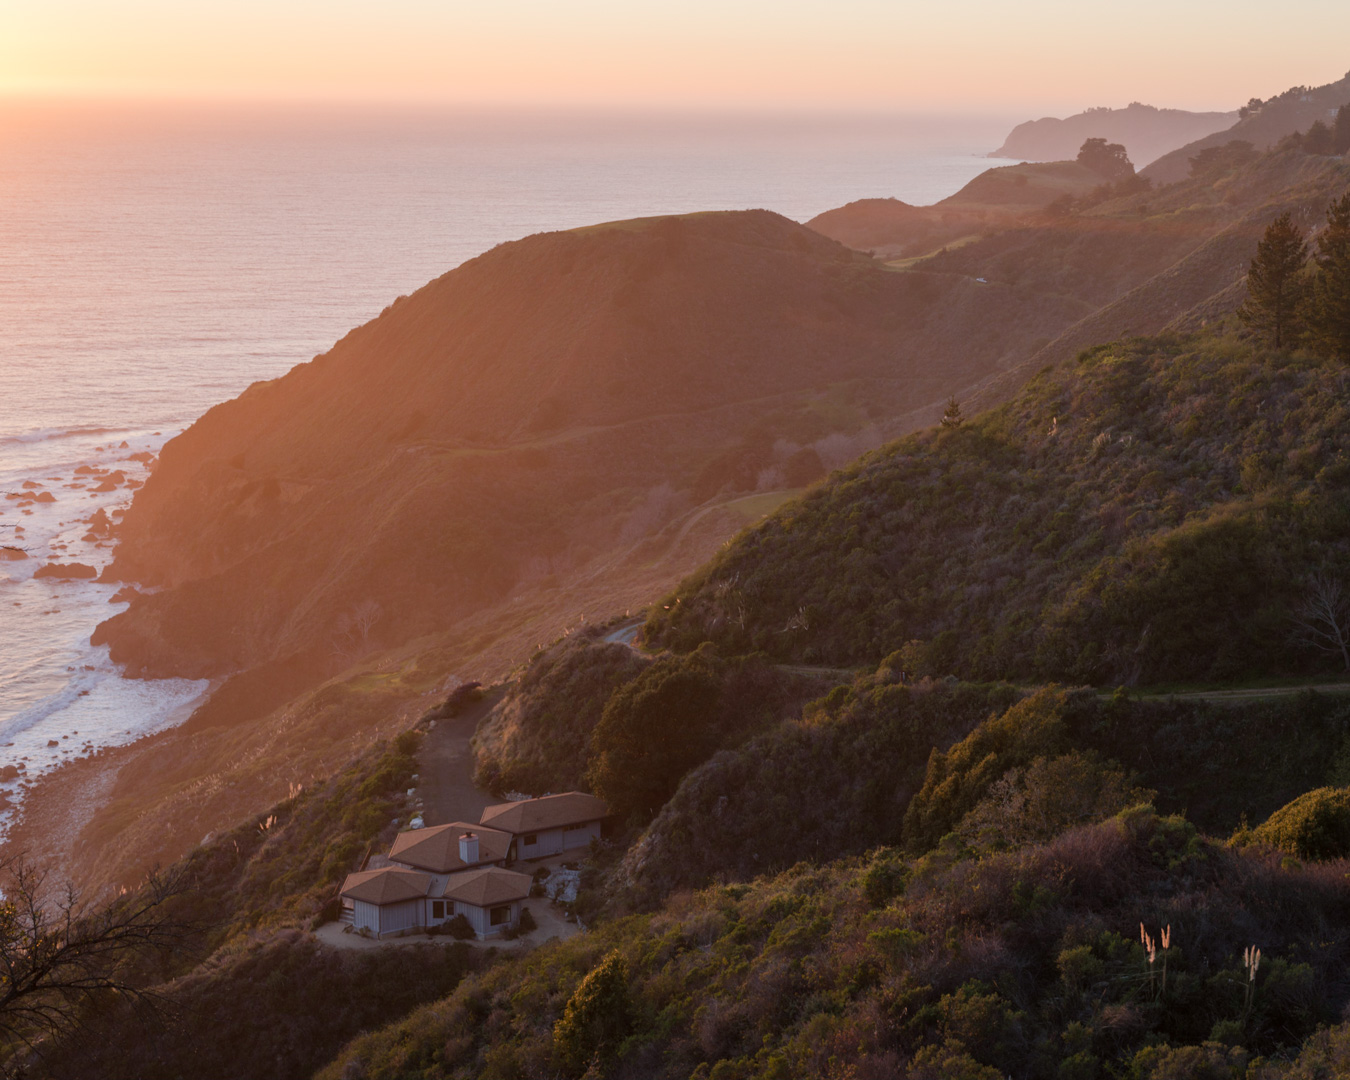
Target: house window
x,y
574,828
499,915
438,909
530,838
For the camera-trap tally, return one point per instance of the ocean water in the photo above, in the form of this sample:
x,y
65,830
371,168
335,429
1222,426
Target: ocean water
x,y
155,261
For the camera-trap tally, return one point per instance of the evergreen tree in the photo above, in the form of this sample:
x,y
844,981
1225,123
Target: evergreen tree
x,y
952,417
1340,132
1318,140
1275,282
1329,304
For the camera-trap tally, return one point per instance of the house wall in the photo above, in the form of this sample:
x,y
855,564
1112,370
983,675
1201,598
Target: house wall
x,y
396,918
479,918
556,841
365,916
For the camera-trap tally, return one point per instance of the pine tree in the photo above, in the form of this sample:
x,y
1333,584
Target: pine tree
x,y
952,418
1318,140
1340,132
1329,303
1275,283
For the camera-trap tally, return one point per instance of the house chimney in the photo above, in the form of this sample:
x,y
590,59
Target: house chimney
x,y
468,849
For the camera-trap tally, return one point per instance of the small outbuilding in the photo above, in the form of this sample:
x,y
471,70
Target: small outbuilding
x,y
548,825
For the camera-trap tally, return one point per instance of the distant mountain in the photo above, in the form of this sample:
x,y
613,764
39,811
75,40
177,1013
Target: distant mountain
x,y
1263,126
1146,132
997,197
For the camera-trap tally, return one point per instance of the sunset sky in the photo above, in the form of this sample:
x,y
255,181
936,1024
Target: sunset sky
x,y
874,54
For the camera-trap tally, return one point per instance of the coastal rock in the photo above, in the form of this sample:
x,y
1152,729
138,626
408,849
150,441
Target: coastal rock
x,y
66,571
30,485
88,470
8,773
12,554
45,497
124,595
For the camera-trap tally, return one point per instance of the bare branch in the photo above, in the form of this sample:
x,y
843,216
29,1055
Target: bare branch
x,y
1322,620
59,956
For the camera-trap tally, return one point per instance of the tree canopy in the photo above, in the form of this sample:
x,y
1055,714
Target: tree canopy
x,y
653,731
1329,304
1109,160
1275,283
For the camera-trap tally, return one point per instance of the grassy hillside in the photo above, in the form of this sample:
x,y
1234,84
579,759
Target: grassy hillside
x,y
555,430
303,1002
600,717
1294,110
248,992
534,414
995,199
880,763
1156,510
537,738
1026,963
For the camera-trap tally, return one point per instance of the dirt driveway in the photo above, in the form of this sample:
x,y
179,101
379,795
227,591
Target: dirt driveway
x,y
445,768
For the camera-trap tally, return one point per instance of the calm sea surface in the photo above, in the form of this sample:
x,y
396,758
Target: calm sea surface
x,y
154,262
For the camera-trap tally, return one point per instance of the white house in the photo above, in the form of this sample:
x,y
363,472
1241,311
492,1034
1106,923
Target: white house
x,y
392,901
548,825
460,869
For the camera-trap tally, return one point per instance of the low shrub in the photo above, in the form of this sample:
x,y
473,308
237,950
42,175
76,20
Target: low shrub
x,y
1313,826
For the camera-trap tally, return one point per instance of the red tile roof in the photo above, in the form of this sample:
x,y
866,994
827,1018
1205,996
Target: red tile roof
x,y
437,849
491,885
546,812
387,885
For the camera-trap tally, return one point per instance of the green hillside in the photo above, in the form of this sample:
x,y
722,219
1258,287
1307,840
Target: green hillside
x,y
1024,964
1160,509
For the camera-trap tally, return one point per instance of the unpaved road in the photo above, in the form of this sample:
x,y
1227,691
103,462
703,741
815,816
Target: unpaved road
x,y
1260,692
445,768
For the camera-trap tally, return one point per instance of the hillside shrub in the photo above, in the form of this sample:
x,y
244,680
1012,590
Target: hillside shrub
x,y
596,1018
278,1005
537,738
1149,512
653,731
880,763
1024,963
1313,826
